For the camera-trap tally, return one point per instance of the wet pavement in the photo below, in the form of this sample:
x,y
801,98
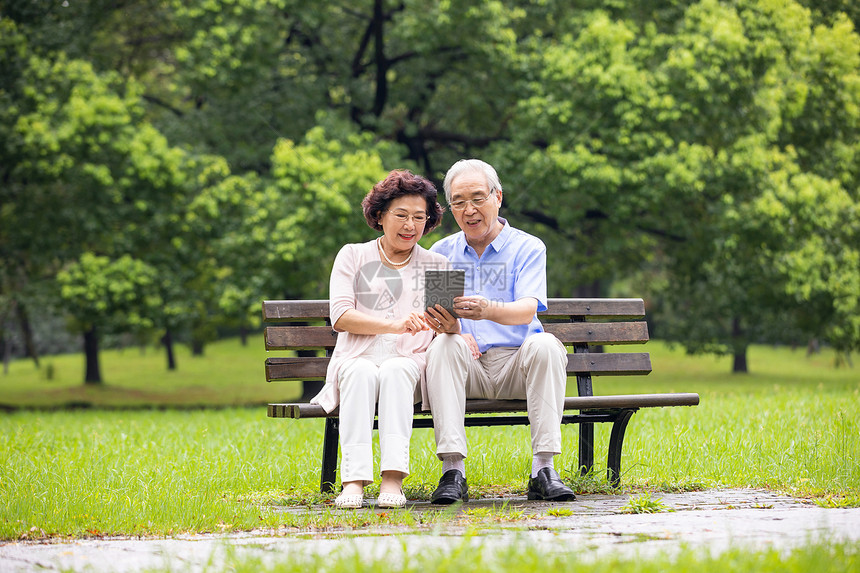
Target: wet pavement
x,y
593,526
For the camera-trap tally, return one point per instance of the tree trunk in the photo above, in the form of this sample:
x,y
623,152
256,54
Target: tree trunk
x,y
167,341
243,335
27,332
310,388
5,344
93,374
739,365
593,289
740,362
197,347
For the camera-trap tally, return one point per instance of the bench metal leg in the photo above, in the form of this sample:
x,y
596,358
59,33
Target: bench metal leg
x,y
329,459
586,448
616,440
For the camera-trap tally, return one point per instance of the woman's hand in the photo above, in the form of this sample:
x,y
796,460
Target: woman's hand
x,y
441,321
473,345
413,324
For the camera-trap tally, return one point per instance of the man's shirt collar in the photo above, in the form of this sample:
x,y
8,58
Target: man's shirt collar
x,y
497,244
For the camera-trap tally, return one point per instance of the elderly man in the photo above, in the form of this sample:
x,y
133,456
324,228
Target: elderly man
x,y
498,349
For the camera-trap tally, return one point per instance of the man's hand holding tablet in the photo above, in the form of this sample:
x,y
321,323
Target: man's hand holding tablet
x,y
441,287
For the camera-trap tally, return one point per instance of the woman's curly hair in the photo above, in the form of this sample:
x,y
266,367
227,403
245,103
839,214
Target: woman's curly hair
x,y
401,183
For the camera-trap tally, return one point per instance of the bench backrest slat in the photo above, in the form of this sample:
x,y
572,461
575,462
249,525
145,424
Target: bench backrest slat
x,y
302,368
564,308
299,337
594,308
627,363
294,310
594,333
599,333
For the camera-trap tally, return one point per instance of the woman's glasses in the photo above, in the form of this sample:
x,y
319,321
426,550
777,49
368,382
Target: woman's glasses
x,y
403,216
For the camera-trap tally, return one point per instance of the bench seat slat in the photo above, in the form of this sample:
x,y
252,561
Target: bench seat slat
x,y
301,410
616,363
589,308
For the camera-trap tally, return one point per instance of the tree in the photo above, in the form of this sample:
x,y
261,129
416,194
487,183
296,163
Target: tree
x,y
439,78
777,138
103,295
660,144
577,142
637,139
298,219
79,158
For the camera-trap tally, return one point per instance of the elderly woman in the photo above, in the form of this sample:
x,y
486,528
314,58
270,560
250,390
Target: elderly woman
x,y
377,298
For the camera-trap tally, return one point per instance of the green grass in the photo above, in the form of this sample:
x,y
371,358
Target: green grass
x,y
475,555
229,374
644,503
791,425
232,375
772,369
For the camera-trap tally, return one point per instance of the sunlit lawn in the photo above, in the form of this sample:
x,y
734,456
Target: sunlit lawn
x,y
791,425
228,374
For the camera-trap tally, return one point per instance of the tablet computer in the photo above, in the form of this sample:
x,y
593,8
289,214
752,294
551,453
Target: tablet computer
x,y
441,287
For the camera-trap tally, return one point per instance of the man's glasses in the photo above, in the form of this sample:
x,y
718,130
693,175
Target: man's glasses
x,y
475,201
403,216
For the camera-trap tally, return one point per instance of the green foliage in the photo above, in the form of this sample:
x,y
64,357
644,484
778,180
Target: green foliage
x,y
83,160
298,219
119,294
703,154
83,174
664,146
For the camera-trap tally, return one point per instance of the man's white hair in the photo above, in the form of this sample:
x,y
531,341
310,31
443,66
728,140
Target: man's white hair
x,y
465,165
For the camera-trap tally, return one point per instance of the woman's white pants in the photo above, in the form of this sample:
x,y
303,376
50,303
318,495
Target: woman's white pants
x,y
363,382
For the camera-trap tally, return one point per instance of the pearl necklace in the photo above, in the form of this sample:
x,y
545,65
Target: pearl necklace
x,y
390,262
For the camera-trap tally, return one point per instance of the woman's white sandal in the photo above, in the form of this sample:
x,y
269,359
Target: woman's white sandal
x,y
349,501
391,500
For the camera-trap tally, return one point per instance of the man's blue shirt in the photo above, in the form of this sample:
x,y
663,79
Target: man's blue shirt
x,y
512,267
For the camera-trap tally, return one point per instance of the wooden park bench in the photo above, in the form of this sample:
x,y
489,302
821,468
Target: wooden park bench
x,y
581,324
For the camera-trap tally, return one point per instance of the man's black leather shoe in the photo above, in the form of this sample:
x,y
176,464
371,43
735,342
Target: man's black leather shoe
x,y
549,487
452,487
